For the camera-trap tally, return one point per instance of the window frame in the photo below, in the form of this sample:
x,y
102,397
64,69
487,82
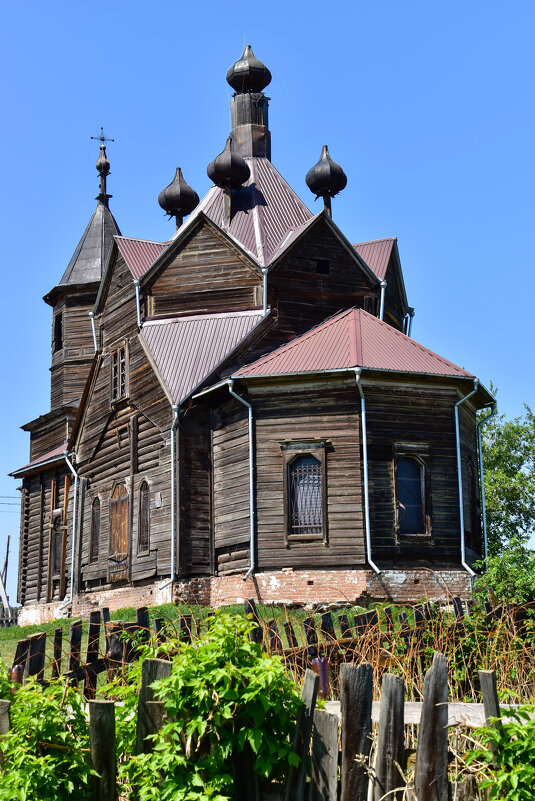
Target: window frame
x,y
57,332
419,452
122,391
94,536
291,450
144,484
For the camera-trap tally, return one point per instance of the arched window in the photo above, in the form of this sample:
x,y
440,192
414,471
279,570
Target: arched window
x,y
410,495
143,539
94,539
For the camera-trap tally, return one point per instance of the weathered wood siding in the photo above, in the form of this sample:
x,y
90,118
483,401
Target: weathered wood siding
x,y
208,273
71,364
195,484
46,439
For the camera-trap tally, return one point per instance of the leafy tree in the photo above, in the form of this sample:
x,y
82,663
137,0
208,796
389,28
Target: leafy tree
x,y
510,575
509,475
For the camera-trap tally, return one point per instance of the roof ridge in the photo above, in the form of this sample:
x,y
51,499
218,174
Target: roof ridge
x,y
202,316
138,239
373,241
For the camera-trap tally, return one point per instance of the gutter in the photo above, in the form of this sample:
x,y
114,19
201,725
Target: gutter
x,y
138,304
264,290
252,510
66,455
358,373
382,302
411,318
92,318
481,482
460,476
176,408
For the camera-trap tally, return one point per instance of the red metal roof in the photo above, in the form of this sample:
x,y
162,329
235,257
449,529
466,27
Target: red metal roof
x,y
53,455
352,338
376,254
139,254
186,350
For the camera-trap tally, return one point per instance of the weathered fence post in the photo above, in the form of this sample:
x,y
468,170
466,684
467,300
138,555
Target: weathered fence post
x,y
154,719
151,670
391,739
102,746
431,774
324,785
295,783
487,680
356,694
5,722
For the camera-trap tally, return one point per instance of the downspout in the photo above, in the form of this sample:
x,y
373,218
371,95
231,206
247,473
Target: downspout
x,y
264,290
482,483
382,302
358,371
138,304
176,408
74,513
411,318
460,476
92,318
252,510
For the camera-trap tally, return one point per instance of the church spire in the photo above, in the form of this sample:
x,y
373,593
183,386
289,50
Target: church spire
x,y
103,167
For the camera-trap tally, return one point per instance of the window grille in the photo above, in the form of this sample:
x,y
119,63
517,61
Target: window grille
x,y
144,518
94,541
306,508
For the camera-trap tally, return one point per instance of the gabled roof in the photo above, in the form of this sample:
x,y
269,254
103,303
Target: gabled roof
x,y
51,457
184,351
352,338
139,254
376,254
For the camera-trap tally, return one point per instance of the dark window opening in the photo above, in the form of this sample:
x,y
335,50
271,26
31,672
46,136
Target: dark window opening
x,y
143,541
57,537
118,373
323,266
411,496
58,332
94,540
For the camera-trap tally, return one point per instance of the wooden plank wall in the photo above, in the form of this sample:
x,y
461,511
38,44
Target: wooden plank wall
x,y
71,364
48,438
196,483
207,274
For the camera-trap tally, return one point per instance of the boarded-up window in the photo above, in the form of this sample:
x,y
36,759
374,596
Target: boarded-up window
x,y
305,491
118,556
118,373
94,540
143,541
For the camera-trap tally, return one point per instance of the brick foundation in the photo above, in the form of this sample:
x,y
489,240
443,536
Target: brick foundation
x,y
287,586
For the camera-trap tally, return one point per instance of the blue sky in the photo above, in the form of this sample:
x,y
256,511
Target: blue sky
x,y
428,106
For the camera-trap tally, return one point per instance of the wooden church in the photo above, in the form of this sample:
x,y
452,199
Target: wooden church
x,y
241,411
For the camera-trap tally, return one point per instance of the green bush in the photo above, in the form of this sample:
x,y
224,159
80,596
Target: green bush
x,y
510,575
224,700
510,756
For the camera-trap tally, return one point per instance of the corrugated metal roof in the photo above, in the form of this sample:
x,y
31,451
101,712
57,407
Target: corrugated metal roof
x,y
139,254
352,338
376,254
264,212
186,350
54,455
88,260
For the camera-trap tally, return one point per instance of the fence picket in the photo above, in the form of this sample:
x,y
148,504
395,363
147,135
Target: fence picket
x,y
390,739
356,693
324,779
102,747
431,773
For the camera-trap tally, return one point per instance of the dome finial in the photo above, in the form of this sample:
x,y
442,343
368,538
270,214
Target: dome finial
x,y
326,178
248,74
178,199
229,171
103,167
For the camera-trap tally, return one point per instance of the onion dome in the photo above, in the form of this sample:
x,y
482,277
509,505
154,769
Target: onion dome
x,y
248,74
178,198
103,165
326,178
229,169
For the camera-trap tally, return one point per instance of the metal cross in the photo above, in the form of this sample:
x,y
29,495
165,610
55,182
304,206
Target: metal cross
x,y
102,137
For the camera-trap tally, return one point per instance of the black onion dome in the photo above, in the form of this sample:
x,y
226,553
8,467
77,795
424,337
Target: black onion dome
x,y
229,169
326,177
103,165
178,197
248,74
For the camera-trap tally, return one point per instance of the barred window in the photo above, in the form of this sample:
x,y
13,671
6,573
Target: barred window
x,y
118,373
143,541
94,539
305,491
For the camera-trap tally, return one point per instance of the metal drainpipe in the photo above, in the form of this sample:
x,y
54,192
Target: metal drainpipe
x,y
74,512
358,371
382,303
92,318
252,511
482,483
411,318
138,304
175,407
264,290
460,476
